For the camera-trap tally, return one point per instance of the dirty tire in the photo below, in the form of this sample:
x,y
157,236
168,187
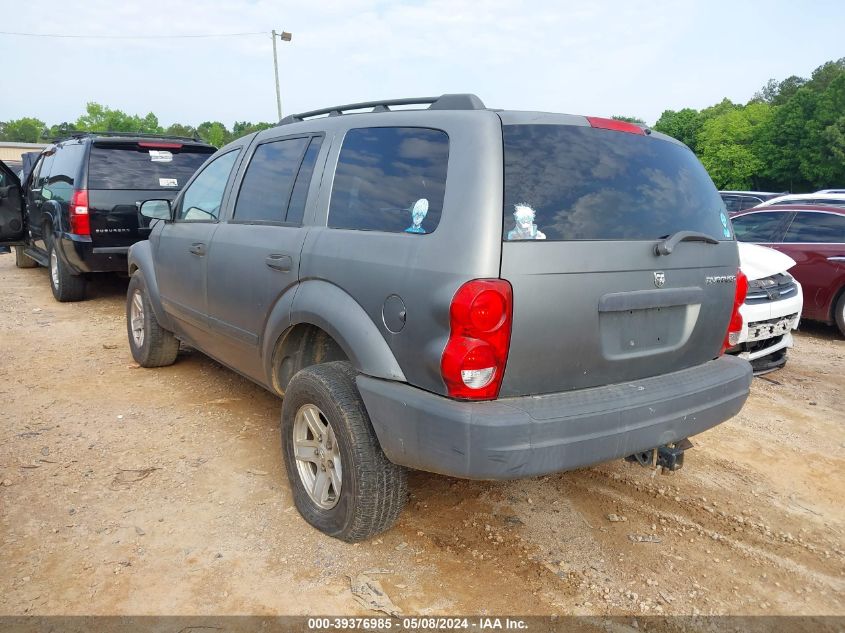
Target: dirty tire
x,y
65,286
373,489
23,261
840,313
157,347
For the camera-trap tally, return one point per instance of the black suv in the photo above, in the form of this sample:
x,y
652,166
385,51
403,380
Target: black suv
x,y
77,210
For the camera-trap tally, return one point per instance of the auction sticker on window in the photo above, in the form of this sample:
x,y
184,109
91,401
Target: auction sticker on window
x,y
161,156
168,182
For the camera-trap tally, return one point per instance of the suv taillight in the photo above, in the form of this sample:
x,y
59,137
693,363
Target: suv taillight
x,y
79,222
473,362
735,324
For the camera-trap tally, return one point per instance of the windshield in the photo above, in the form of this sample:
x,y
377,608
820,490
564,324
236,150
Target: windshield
x,y
566,182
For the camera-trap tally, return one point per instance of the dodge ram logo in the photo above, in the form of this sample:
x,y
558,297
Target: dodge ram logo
x,y
659,278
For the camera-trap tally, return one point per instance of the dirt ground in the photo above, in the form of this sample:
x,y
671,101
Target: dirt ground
x,y
133,491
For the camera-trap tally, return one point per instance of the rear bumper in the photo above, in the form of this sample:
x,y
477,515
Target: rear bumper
x,y
513,438
83,257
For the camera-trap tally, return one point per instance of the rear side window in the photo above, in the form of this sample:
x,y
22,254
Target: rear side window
x,y
133,166
759,227
580,183
816,228
64,171
268,183
390,179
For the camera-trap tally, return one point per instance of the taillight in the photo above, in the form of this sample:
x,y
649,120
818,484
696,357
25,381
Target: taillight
x,y
735,324
473,362
615,124
79,222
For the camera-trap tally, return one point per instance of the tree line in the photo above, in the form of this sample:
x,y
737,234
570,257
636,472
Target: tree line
x,y
789,137
99,118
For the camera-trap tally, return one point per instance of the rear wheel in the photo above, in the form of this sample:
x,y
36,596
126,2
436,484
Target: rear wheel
x,y
840,313
65,286
22,260
151,345
342,483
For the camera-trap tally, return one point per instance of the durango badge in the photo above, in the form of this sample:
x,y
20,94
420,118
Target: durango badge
x,y
659,278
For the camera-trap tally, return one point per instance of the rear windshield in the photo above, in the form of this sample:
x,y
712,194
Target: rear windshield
x,y
579,183
132,167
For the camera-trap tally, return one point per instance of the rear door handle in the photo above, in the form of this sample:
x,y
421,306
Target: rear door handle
x,y
197,248
279,262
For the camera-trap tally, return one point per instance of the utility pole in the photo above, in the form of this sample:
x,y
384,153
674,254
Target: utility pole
x,y
285,37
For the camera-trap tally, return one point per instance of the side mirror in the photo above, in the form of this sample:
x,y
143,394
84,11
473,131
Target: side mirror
x,y
46,194
156,209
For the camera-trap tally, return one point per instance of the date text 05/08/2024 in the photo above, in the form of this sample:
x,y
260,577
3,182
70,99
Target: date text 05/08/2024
x,y
417,623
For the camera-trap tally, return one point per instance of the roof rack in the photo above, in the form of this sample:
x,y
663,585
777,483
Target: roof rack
x,y
78,135
443,102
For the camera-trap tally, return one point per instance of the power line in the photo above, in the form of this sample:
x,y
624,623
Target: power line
x,y
130,37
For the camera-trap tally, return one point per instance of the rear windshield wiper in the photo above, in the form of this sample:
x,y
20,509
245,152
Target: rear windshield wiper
x,y
668,244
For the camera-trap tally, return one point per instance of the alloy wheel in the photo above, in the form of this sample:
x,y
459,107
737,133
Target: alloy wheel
x,y
317,456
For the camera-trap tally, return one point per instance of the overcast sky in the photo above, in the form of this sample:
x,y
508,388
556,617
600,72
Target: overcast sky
x,y
588,57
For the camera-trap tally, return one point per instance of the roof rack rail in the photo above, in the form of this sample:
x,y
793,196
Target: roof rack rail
x,y
86,134
443,102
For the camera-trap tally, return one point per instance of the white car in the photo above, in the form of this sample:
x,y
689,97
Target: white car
x,y
826,198
772,308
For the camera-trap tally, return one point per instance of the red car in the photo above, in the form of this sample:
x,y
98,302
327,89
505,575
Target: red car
x,y
814,236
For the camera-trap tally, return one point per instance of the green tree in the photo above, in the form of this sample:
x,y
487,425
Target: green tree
x,y
25,130
779,92
683,125
242,128
61,130
727,145
103,119
214,133
177,129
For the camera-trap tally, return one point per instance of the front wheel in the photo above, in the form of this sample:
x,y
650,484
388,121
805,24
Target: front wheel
x,y
65,285
151,345
342,483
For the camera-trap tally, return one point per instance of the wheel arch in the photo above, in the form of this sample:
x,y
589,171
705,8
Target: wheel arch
x,y
324,324
140,258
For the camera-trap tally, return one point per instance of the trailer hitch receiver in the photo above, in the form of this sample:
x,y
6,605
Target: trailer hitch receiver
x,y
669,456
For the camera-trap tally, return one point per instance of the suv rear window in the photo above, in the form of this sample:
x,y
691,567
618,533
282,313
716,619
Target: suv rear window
x,y
129,166
579,183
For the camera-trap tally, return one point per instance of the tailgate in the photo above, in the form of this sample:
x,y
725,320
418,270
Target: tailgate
x,y
593,303
114,215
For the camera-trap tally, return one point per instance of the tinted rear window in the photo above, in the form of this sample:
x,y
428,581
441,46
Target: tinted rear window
x,y
390,179
132,167
580,183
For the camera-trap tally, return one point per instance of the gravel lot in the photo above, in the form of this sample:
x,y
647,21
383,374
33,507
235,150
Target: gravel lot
x,y
133,491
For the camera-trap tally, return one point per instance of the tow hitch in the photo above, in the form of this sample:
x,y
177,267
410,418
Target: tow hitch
x,y
670,456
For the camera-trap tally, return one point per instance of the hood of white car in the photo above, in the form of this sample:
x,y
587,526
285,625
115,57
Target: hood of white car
x,y
758,261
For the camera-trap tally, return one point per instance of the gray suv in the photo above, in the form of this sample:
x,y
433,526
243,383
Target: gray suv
x,y
479,293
